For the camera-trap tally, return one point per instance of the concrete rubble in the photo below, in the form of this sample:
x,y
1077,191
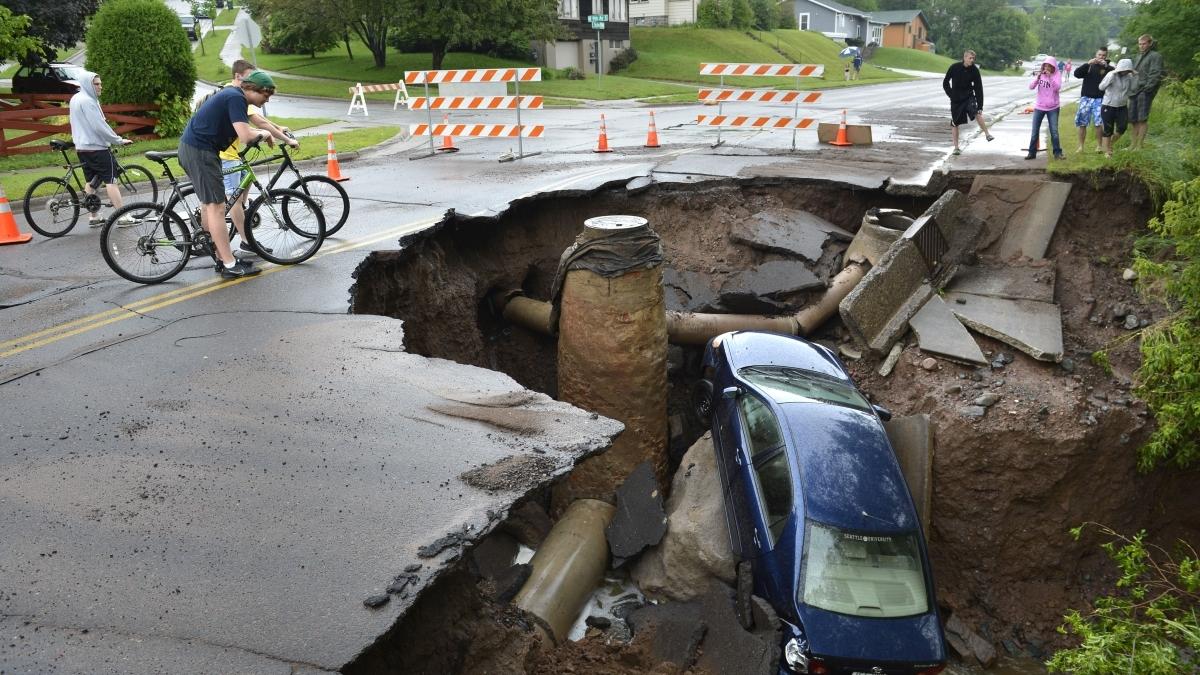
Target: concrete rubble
x,y
789,232
639,521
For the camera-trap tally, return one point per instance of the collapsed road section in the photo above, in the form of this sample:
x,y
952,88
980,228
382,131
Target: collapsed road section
x,y
279,520
1023,425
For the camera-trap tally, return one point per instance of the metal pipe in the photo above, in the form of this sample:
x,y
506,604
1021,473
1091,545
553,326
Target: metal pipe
x,y
568,566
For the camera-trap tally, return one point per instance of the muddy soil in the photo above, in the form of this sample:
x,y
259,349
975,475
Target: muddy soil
x,y
1056,451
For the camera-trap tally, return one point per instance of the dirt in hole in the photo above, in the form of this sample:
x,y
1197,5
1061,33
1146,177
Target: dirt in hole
x,y
1056,451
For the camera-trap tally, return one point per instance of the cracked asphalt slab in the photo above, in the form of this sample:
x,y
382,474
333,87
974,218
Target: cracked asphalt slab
x,y
241,504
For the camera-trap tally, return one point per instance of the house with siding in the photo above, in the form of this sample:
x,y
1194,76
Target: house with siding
x,y
904,28
836,21
662,12
584,46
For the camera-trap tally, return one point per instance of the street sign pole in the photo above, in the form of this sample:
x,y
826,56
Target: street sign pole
x,y
597,21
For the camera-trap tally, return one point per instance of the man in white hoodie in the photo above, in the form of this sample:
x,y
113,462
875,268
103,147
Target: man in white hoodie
x,y
92,137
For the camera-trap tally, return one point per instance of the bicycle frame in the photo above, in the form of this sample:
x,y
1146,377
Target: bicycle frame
x,y
74,169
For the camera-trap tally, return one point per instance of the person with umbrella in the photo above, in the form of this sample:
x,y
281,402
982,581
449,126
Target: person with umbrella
x,y
964,86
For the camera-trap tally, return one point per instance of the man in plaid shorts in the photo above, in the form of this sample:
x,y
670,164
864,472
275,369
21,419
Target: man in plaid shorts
x,y
1090,97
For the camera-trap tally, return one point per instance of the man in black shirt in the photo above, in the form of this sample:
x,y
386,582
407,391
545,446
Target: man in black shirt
x,y
1090,96
964,86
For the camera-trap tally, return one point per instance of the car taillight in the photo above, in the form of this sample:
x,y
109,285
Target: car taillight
x,y
932,671
817,668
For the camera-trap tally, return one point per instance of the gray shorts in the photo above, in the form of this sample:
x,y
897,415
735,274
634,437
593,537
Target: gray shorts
x,y
1139,105
204,168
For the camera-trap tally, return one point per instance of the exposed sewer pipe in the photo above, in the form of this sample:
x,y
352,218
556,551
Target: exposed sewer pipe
x,y
695,328
567,567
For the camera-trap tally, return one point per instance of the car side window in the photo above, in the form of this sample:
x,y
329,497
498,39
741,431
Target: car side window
x,y
761,426
775,483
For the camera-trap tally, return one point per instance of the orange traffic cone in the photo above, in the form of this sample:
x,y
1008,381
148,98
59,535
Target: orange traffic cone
x,y
332,169
9,234
602,143
841,135
652,135
447,140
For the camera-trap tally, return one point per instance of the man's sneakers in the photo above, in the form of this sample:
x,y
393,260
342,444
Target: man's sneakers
x,y
245,246
241,268
95,221
956,152
127,220
990,138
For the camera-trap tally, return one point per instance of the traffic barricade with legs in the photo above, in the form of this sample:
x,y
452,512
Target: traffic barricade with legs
x,y
358,100
721,96
497,75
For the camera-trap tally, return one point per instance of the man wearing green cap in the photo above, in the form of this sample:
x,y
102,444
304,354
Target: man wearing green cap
x,y
219,121
229,156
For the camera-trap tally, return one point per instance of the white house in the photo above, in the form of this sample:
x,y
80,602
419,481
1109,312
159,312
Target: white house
x,y
662,12
579,50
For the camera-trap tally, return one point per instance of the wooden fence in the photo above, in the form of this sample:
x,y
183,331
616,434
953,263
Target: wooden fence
x,y
26,121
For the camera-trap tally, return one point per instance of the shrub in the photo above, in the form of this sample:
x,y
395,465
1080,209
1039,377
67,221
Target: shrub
x,y
573,73
714,13
741,15
786,18
622,60
173,115
765,16
141,51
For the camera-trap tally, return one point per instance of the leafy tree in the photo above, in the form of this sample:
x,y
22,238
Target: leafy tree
x,y
371,21
15,42
1150,626
742,16
57,23
141,51
1175,24
448,24
765,16
714,13
999,34
1072,31
787,19
299,26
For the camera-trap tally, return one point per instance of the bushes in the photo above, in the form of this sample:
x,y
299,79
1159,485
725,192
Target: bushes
x,y
725,14
622,60
141,52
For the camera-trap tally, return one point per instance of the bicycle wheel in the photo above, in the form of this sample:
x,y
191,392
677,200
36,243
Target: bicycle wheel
x,y
51,207
284,226
330,196
136,184
147,248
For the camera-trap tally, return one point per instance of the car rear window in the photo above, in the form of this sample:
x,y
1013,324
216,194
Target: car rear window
x,y
863,575
791,385
71,72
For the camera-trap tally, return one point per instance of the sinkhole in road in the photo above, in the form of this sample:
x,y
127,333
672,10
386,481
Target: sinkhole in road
x,y
1006,487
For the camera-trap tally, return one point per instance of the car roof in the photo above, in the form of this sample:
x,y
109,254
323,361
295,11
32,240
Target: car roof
x,y
760,348
848,472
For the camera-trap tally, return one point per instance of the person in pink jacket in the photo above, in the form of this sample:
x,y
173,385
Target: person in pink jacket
x,y
1048,82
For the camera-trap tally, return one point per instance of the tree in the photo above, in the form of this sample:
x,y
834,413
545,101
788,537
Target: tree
x,y
714,13
1175,24
765,16
141,51
56,23
1072,31
448,24
299,26
15,42
999,34
371,21
787,19
741,15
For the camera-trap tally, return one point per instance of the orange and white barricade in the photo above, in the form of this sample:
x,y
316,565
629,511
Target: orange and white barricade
x,y
720,96
516,102
358,100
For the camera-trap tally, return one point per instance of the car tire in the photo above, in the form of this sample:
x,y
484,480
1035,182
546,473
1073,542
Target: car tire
x,y
742,591
702,402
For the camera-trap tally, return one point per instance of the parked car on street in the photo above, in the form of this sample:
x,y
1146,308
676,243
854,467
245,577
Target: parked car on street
x,y
47,78
818,511
189,25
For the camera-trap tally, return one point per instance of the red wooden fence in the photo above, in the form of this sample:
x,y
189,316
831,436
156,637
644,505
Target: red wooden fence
x,y
32,113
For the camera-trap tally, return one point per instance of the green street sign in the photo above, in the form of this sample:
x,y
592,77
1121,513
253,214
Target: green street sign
x,y
594,18
597,25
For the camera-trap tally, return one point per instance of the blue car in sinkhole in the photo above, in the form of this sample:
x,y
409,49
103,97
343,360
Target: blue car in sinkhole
x,y
818,511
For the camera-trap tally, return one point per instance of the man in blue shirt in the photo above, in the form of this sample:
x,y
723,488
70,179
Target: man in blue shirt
x,y
221,120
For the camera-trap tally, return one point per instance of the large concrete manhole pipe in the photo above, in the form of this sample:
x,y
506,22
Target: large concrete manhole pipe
x,y
612,349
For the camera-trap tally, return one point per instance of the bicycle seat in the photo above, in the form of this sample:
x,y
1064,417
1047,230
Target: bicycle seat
x,y
161,157
61,145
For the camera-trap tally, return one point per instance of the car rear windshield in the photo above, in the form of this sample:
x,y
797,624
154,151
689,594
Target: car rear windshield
x,y
70,72
787,385
863,575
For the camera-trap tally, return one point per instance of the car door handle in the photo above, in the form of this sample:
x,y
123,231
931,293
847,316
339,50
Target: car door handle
x,y
737,456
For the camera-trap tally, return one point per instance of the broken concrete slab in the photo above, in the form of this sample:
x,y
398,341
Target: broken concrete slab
x,y
686,291
1030,326
194,507
1020,213
1018,280
912,440
639,521
877,311
671,633
940,332
879,230
788,231
757,290
696,545
729,648
969,644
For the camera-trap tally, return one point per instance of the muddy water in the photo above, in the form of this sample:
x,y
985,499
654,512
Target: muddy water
x,y
1006,487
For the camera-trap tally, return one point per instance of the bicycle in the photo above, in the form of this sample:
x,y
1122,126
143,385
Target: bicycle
x,y
328,193
283,226
52,205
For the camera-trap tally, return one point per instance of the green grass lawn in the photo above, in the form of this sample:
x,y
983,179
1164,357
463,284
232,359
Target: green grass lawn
x,y
609,87
334,64
910,59
812,47
208,65
675,54
226,17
